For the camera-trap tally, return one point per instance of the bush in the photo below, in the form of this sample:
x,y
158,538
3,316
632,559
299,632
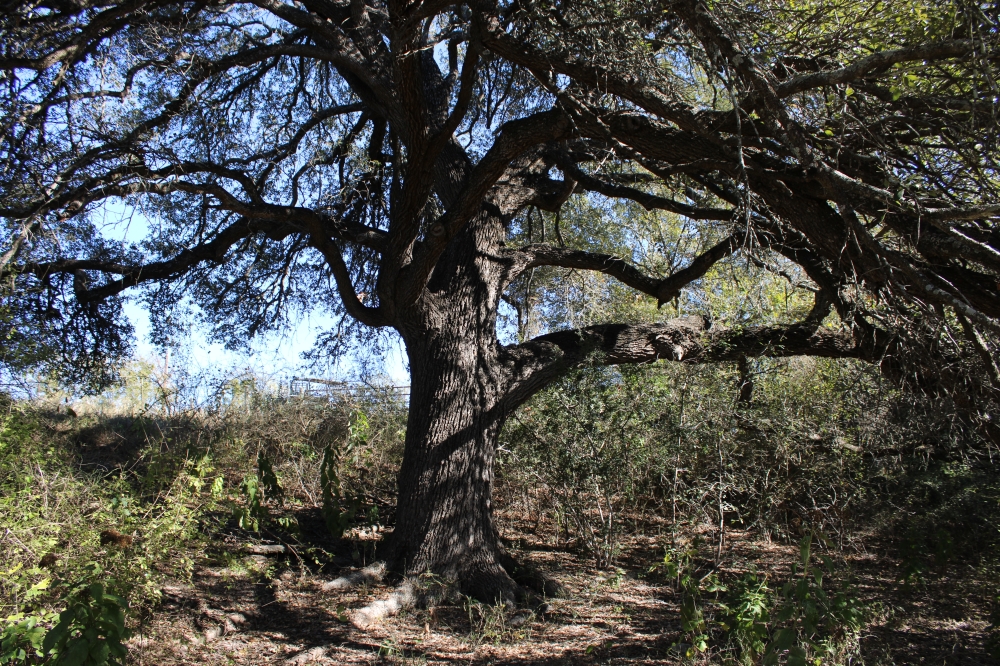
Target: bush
x,y
586,442
607,446
142,496
745,617
91,630
814,624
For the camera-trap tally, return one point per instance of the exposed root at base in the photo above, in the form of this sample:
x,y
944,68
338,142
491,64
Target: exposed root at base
x,y
403,597
373,573
507,586
528,576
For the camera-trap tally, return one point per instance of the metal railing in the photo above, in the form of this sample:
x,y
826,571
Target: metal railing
x,y
336,391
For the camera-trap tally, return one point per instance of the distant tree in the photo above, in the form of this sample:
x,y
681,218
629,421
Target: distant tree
x,y
387,160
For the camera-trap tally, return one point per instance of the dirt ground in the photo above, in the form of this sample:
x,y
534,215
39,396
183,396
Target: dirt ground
x,y
246,608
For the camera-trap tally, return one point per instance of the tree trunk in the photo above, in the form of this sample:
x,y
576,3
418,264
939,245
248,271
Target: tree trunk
x,y
444,517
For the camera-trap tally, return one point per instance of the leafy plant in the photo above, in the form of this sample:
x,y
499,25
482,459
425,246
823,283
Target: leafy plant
x,y
268,479
745,617
91,630
22,637
257,488
585,441
679,566
335,514
813,624
912,568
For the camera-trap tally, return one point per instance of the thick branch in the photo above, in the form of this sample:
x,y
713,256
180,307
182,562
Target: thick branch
x,y
670,287
663,289
687,339
690,339
515,139
878,62
342,277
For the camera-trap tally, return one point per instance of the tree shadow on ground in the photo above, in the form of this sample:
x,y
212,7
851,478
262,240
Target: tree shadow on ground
x,y
629,616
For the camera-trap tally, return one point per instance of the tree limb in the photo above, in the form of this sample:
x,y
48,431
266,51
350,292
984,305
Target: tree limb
x,y
515,138
663,289
644,199
212,251
877,62
687,339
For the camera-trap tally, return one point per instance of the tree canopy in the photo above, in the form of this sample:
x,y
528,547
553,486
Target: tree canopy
x,y
278,144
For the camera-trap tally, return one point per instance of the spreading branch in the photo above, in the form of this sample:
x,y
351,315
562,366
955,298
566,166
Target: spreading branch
x,y
686,339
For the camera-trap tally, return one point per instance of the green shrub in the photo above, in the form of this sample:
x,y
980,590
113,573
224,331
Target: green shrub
x,y
680,567
339,509
21,638
91,630
256,489
813,625
587,441
746,615
66,519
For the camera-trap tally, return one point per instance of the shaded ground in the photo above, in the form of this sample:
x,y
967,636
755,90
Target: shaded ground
x,y
253,609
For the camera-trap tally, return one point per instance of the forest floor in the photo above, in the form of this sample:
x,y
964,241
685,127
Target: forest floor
x,y
241,608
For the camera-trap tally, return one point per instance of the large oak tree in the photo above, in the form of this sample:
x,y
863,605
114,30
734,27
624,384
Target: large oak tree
x,y
387,159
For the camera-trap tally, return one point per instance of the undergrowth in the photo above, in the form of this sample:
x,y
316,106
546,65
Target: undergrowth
x,y
98,510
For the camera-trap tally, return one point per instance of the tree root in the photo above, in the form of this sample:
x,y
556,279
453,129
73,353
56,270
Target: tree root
x,y
373,573
416,591
532,578
403,597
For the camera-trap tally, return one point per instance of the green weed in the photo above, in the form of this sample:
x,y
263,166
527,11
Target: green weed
x,y
745,617
813,624
91,630
339,509
494,624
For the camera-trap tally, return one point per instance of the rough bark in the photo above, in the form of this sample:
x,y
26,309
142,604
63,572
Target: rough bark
x,y
444,516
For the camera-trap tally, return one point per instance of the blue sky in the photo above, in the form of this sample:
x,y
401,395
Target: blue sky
x,y
270,354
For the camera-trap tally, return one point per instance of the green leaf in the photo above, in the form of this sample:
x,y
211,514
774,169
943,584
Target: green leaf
x,y
783,639
99,653
37,588
56,635
76,653
796,656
